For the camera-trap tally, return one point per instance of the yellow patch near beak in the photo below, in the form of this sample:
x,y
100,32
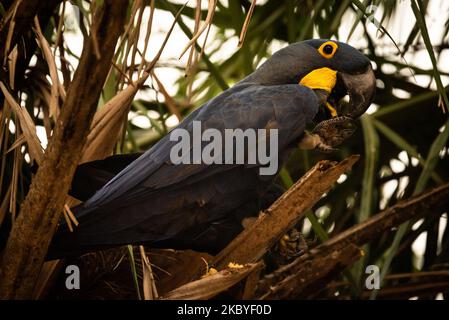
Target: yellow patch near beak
x,y
331,109
323,78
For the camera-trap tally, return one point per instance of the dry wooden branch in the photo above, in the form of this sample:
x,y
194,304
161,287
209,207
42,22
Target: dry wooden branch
x,y
307,274
179,267
257,239
271,225
212,285
417,283
30,236
406,291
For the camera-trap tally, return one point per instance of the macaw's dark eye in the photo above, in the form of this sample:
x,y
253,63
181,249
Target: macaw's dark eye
x,y
328,49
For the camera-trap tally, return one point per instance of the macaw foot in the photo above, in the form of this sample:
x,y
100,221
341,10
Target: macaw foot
x,y
292,244
327,134
312,141
336,130
332,123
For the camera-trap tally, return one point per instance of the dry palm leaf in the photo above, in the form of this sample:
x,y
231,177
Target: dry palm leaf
x,y
169,101
50,59
207,22
106,125
149,285
27,125
246,23
193,55
212,285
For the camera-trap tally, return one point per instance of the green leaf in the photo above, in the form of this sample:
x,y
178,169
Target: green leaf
x,y
402,144
371,142
211,67
309,22
132,264
425,35
399,106
337,18
431,161
2,10
369,190
362,7
432,158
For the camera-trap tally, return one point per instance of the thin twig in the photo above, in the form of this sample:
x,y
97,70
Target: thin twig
x,y
246,23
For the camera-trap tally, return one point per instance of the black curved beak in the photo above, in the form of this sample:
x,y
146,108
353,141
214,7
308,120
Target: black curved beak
x,y
361,89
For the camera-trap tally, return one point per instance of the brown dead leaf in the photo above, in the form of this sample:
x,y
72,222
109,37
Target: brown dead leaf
x,y
207,22
212,285
50,58
27,125
149,285
106,125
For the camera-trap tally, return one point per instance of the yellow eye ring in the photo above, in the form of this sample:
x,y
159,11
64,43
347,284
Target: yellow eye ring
x,y
328,49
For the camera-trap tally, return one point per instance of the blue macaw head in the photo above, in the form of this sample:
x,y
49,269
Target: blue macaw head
x,y
353,71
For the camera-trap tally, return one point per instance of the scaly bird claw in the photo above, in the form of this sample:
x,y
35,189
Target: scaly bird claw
x,y
333,123
325,148
333,132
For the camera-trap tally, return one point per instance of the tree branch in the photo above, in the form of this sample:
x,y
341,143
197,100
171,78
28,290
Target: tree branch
x,y
31,234
311,272
257,239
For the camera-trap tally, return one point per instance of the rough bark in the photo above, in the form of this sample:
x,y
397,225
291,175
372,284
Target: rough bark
x,y
257,239
212,285
31,234
304,277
